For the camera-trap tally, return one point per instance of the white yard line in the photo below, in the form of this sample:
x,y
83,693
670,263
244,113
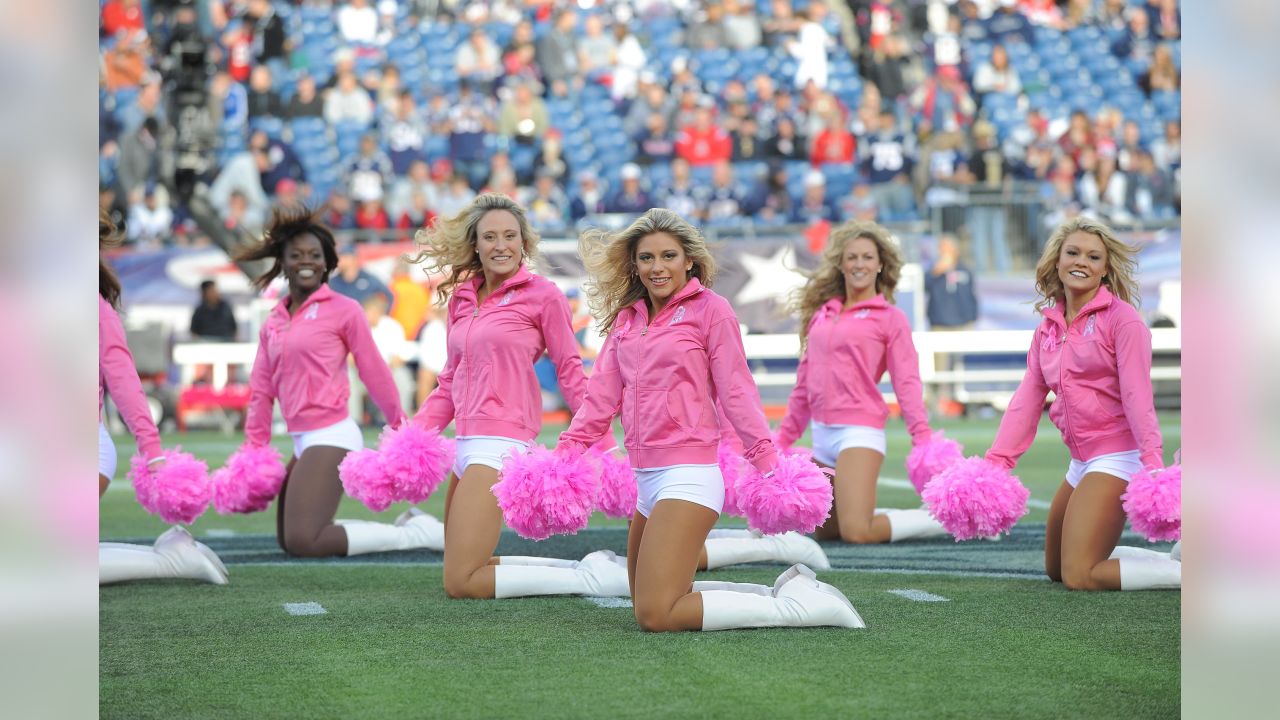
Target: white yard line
x,y
305,608
917,595
611,602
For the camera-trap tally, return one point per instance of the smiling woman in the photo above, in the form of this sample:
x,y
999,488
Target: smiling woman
x,y
302,362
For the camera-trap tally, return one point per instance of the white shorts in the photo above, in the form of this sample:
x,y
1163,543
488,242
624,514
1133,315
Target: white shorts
x,y
1122,465
106,453
830,440
701,484
344,434
484,450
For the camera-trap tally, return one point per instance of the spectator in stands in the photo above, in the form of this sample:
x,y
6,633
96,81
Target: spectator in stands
x,y
353,280
454,196
270,41
951,306
1130,144
523,116
404,134
519,58
387,91
148,104
596,47
150,217
212,320
986,216
589,200
741,26
769,201
276,161
348,102
888,159
997,75
683,78
125,64
942,98
1167,151
243,174
886,68
704,142
747,145
1164,18
814,205
228,104
786,144
1103,191
1007,24
681,195
1163,75
122,16
833,143
1077,137
656,144
651,100
290,192
724,198
707,31
479,60
305,102
550,158
471,118
630,198
1150,192
369,173
337,212
860,204
628,62
811,47
558,54
139,162
1137,42
547,204
371,215
417,181
780,25
358,22
411,299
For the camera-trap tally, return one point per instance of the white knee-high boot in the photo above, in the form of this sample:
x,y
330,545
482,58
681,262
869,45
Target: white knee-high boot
x,y
175,555
800,601
1128,551
596,575
413,529
788,547
1150,573
909,524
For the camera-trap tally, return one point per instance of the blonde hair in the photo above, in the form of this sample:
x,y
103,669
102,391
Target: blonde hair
x,y
828,281
448,247
1121,263
610,259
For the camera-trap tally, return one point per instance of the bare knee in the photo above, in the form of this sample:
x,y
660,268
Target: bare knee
x,y
459,586
858,534
653,618
304,543
1079,578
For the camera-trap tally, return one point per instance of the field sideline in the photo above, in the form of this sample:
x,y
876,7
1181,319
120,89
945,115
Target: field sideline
x,y
955,630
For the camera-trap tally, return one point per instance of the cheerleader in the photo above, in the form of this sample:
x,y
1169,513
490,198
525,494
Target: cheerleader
x,y
175,554
302,362
1093,351
501,319
673,350
850,333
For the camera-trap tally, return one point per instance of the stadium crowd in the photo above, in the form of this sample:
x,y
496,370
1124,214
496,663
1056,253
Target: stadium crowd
x,y
777,112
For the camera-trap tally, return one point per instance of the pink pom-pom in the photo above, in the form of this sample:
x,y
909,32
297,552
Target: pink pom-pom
x,y
797,496
365,478
416,460
178,490
976,498
930,458
249,481
732,469
1154,503
543,493
618,492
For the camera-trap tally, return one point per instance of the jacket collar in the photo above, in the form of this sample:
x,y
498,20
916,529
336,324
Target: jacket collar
x,y
691,288
322,293
1101,301
835,305
470,290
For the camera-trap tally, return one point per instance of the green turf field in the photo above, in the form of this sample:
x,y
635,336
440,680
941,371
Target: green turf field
x,y
973,629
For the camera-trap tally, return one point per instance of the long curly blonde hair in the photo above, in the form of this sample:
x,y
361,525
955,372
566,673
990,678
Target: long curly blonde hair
x,y
448,247
1121,263
828,280
610,259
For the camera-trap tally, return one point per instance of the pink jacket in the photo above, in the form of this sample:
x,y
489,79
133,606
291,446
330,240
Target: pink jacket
x,y
1099,369
665,377
488,385
117,374
846,356
302,361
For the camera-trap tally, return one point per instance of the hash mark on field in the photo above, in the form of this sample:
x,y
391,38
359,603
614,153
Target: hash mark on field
x,y
918,595
306,608
611,602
